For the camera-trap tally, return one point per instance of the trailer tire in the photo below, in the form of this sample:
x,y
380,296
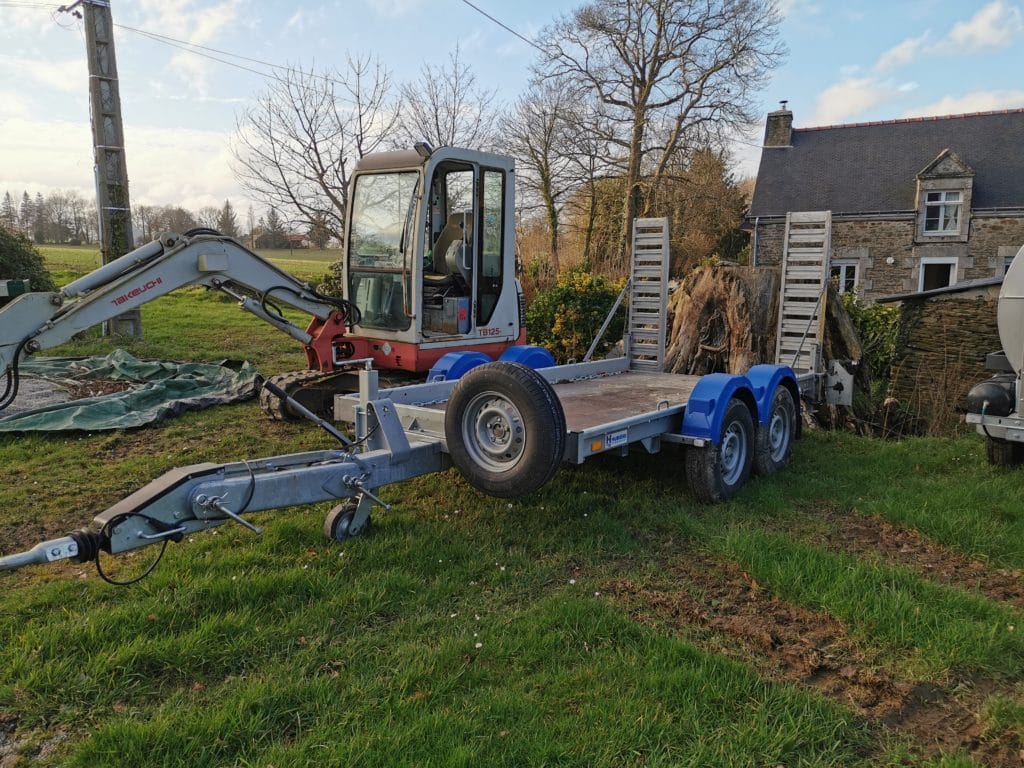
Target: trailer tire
x,y
338,523
1003,453
505,429
773,442
717,472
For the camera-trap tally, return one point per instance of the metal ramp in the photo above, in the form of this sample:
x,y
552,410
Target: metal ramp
x,y
805,275
648,286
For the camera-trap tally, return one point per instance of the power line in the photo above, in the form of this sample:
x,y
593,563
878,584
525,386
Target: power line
x,y
504,26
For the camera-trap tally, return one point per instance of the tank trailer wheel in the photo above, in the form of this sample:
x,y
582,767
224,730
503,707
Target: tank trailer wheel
x,y
717,472
338,523
773,442
505,429
1003,453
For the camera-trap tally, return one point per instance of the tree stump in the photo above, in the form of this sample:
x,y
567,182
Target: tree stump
x,y
724,319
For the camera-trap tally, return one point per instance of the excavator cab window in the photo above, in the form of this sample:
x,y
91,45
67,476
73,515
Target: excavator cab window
x,y
381,248
450,253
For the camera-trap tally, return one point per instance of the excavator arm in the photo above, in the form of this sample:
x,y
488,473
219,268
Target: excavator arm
x,y
37,321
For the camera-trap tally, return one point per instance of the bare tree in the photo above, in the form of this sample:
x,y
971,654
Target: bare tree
x,y
208,216
537,134
663,72
445,108
294,149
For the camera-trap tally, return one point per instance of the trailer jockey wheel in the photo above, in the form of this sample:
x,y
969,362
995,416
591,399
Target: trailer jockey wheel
x,y
773,442
339,523
505,429
717,472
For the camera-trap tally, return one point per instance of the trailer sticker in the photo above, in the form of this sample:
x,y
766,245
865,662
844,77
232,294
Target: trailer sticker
x,y
615,439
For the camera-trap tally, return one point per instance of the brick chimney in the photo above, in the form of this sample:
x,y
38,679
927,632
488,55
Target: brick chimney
x,y
778,129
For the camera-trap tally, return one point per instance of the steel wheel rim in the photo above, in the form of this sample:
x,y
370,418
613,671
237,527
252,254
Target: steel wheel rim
x,y
779,433
733,453
493,432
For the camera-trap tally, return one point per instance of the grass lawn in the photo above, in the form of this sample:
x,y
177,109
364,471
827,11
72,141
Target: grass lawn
x,y
863,608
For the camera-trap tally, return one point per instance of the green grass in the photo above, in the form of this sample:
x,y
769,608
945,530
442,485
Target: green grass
x,y
288,650
68,261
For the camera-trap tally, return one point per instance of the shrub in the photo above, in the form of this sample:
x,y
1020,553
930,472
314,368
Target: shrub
x,y
566,317
19,260
877,327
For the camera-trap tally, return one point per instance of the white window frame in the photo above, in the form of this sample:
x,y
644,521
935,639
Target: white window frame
x,y
845,265
946,201
952,261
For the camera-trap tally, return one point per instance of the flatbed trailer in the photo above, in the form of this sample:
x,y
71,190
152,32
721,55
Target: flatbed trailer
x,y
506,426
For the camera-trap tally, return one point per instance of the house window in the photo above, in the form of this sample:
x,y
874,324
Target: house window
x,y
843,273
937,272
942,213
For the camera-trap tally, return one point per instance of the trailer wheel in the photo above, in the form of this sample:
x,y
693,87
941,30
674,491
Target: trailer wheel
x,y
505,429
773,442
1003,453
338,523
717,472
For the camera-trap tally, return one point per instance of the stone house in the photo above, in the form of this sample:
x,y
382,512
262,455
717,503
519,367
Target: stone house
x,y
917,204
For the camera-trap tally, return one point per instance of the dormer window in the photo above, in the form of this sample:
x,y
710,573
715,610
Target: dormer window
x,y
942,213
944,191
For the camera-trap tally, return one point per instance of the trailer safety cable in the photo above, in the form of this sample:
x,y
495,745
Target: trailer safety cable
x,y
105,532
13,379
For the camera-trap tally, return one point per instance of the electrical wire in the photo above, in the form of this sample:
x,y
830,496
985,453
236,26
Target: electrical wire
x,y
504,26
106,532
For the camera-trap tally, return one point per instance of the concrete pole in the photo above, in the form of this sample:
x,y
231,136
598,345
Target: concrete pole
x,y
115,216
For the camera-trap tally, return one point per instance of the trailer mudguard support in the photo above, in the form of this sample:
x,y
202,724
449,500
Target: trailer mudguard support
x,y
705,408
454,365
529,355
764,379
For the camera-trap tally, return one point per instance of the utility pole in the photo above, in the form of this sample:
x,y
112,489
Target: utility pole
x,y
115,216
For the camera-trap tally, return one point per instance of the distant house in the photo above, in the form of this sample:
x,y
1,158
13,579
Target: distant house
x,y
917,204
298,241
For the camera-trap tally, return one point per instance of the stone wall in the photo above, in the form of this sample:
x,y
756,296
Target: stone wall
x,y
873,242
940,355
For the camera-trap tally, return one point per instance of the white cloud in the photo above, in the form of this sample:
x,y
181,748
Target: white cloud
x,y
394,8
69,76
13,104
976,101
851,97
902,53
165,166
789,7
192,21
994,26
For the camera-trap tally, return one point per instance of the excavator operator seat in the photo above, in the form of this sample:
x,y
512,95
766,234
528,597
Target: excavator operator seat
x,y
450,256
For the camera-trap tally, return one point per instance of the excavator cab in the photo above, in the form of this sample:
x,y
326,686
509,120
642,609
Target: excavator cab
x,y
429,257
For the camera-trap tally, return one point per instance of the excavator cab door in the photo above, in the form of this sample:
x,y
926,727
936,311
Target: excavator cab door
x,y
463,266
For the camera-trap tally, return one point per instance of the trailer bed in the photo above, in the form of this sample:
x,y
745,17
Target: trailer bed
x,y
594,402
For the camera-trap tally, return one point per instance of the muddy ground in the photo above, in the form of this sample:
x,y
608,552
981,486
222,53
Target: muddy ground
x,y
718,606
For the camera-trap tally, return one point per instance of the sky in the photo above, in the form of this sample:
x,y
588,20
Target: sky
x,y
847,62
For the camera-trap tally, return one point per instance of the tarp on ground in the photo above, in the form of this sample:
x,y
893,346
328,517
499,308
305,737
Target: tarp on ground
x,y
158,390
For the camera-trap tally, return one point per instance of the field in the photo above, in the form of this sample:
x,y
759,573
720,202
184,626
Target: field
x,y
863,608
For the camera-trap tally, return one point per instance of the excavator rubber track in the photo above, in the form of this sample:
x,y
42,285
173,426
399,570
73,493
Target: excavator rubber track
x,y
316,390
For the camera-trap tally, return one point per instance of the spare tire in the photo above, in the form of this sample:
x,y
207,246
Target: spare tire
x,y
505,429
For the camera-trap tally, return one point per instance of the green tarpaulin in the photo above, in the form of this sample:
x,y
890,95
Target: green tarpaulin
x,y
158,390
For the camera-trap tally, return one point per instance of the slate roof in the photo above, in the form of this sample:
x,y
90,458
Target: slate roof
x,y
872,167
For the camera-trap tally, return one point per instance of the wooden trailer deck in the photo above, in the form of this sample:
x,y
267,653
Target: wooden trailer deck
x,y
589,403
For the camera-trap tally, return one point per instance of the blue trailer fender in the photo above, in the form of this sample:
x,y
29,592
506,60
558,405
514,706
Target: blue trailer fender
x,y
706,405
529,355
454,365
764,379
